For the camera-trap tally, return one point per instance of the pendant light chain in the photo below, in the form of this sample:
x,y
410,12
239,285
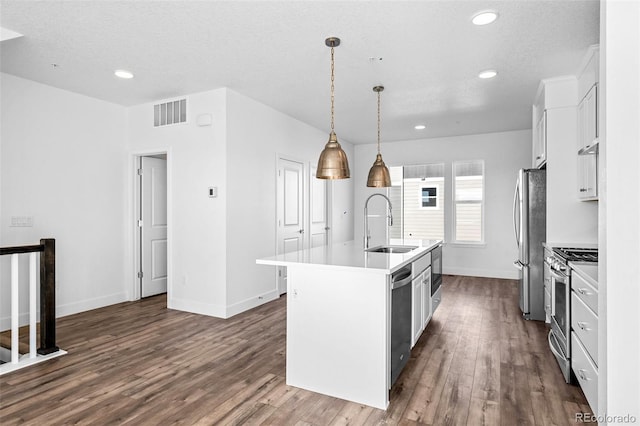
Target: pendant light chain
x,y
333,162
332,88
378,122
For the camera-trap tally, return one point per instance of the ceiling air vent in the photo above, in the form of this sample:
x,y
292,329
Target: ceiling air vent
x,y
173,112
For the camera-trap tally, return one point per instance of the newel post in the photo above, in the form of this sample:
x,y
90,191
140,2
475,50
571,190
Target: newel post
x,y
48,297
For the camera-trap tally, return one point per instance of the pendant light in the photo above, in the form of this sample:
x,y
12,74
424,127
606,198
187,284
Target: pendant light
x,y
332,163
379,174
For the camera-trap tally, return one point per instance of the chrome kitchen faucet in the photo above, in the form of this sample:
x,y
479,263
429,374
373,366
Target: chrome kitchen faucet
x,y
367,235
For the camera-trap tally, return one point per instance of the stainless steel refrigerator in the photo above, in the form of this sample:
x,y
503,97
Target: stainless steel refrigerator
x,y
530,228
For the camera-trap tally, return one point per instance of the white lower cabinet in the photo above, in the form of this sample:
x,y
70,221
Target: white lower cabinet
x,y
426,297
585,325
420,297
416,311
584,337
585,371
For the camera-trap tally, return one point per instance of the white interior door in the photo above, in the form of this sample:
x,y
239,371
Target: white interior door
x,y
153,229
290,212
318,225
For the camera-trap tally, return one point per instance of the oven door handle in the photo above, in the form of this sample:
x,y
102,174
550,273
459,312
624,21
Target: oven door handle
x,y
558,277
553,349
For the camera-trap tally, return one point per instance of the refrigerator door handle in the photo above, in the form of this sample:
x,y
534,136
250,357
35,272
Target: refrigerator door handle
x,y
515,212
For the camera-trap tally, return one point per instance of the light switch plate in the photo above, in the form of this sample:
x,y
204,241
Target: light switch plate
x,y
213,191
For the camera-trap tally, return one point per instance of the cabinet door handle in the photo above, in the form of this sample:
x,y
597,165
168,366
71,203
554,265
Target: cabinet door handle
x,y
582,374
583,326
583,190
538,157
584,292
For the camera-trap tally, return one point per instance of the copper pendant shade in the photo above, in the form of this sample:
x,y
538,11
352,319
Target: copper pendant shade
x,y
379,173
333,163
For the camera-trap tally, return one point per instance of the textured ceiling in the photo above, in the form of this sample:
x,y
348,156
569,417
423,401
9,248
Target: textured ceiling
x,y
274,52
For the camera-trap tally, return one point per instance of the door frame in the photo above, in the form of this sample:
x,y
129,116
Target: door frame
x,y
133,231
305,206
306,203
328,194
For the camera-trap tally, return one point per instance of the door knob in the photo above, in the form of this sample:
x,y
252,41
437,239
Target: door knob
x,y
301,231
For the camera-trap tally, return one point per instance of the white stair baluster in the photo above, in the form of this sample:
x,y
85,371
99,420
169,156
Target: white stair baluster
x,y
14,309
32,305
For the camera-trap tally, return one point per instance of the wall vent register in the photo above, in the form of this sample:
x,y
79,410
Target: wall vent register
x,y
167,113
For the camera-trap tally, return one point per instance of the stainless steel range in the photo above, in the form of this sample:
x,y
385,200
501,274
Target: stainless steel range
x,y
557,266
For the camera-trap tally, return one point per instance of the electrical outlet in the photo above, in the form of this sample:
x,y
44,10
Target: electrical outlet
x,y
185,280
21,221
57,285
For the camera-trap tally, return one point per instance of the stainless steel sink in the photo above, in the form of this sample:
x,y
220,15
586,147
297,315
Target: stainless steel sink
x,y
391,249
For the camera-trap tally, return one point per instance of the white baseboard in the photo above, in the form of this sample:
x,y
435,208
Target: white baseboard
x,y
90,304
251,303
68,309
220,311
486,273
194,307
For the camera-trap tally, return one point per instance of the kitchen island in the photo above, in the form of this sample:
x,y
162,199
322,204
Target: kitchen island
x,y
339,302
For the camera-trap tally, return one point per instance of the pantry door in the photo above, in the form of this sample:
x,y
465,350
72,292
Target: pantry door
x,y
289,212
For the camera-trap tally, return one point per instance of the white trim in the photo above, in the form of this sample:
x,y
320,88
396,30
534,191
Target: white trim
x,y
132,237
209,309
251,303
305,204
482,202
479,272
89,304
70,309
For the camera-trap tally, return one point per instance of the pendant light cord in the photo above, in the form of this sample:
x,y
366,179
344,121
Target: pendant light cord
x,y
378,122
332,88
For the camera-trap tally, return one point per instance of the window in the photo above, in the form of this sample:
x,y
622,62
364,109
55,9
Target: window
x,y
419,191
429,197
468,196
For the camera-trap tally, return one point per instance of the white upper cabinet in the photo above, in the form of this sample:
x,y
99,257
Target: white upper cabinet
x,y
588,132
540,141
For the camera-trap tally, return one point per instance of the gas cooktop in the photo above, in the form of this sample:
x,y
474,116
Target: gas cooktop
x,y
571,254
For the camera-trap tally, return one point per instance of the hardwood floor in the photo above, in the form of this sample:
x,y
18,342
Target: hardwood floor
x,y
478,363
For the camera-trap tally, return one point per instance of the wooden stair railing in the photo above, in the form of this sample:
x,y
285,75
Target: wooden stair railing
x,y
47,249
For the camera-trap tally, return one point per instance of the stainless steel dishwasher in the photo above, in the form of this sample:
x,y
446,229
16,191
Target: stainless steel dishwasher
x,y
400,320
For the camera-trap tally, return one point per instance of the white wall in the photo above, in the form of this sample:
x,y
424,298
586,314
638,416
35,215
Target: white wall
x,y
619,229
197,231
215,241
256,135
61,163
503,153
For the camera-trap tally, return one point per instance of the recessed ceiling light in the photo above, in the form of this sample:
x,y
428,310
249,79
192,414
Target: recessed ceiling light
x,y
488,74
484,17
123,74
420,127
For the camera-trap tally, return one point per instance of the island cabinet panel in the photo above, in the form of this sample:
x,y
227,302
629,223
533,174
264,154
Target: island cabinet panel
x,y
426,297
417,323
338,333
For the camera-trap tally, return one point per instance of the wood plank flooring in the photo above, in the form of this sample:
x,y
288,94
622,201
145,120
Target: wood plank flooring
x,y
478,363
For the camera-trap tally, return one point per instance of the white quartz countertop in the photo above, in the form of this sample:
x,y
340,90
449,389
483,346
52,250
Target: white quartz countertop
x,y
352,255
587,270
